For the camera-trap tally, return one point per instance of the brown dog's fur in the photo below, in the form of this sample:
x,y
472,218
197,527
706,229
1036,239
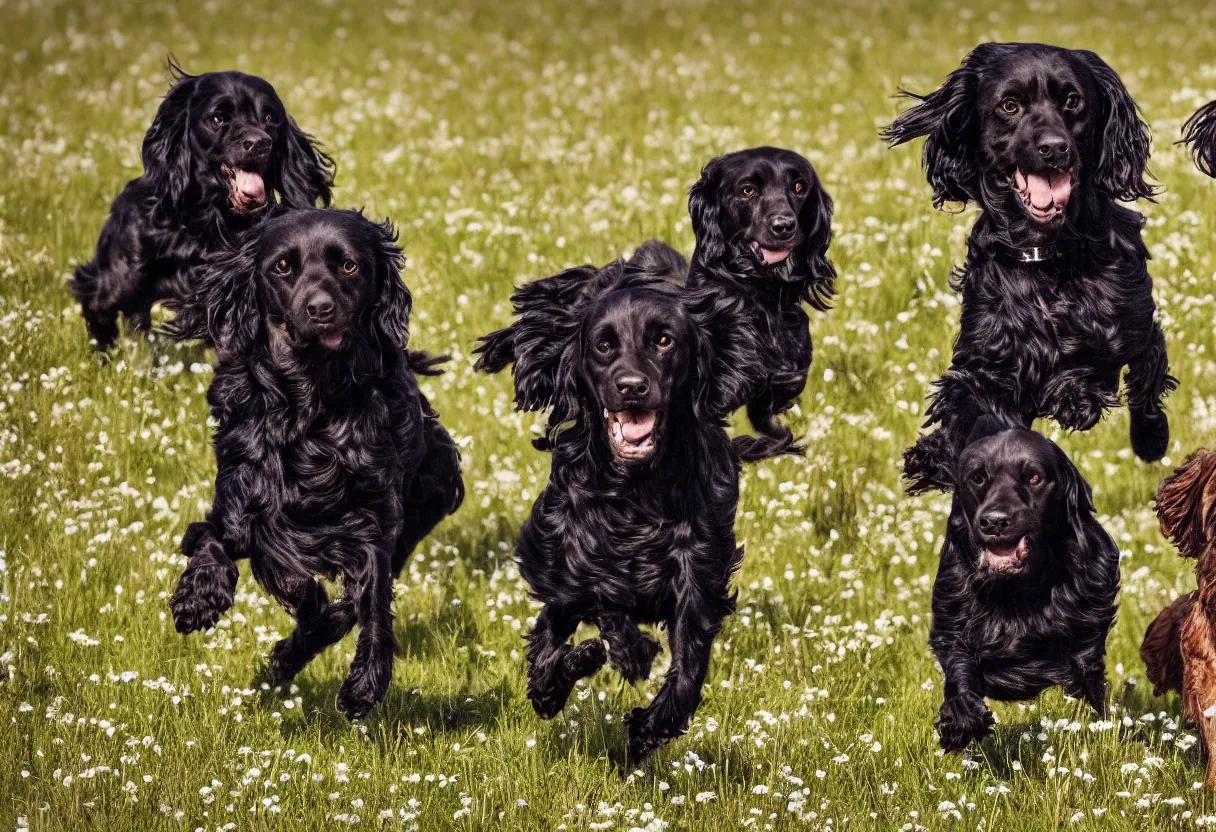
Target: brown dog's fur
x,y
1179,648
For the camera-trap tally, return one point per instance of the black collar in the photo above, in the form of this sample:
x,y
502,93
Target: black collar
x,y
1029,254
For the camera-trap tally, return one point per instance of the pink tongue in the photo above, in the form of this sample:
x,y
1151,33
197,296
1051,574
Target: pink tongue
x,y
772,256
332,341
1044,190
636,425
250,186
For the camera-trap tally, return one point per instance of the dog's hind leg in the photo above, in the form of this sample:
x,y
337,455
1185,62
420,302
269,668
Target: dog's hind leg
x,y
1148,382
436,491
319,624
111,283
1089,685
207,588
630,651
553,665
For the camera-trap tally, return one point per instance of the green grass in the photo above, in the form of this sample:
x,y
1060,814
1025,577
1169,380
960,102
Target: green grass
x,y
508,142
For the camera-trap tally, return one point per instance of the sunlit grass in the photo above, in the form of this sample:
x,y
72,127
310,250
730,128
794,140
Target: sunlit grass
x,y
508,141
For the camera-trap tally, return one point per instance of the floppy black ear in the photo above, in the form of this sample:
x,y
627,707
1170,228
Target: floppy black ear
x,y
727,360
815,220
546,321
948,119
1200,133
1124,138
391,311
566,398
166,147
222,309
305,174
1078,502
706,215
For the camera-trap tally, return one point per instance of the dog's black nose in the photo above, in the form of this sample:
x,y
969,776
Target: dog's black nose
x,y
1054,148
783,225
994,522
257,144
320,308
632,385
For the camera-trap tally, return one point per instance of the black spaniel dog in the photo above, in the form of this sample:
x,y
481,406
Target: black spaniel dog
x,y
1200,133
220,147
636,524
763,223
1025,591
330,461
1056,294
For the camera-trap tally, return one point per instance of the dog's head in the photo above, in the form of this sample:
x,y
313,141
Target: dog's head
x,y
765,213
1186,505
1200,133
629,358
637,349
226,138
1022,127
320,284
1021,500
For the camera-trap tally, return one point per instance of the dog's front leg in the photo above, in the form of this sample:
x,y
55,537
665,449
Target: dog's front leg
x,y
553,665
691,632
207,588
964,715
372,669
1148,383
1077,398
630,650
319,624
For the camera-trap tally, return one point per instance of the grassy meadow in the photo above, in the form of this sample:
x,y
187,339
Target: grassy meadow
x,y
509,140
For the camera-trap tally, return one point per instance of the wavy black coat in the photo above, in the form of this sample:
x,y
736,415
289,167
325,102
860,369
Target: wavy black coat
x,y
1046,339
163,223
329,463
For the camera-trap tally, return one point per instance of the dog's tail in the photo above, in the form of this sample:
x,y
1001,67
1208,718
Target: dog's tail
x,y
425,364
657,259
759,448
1162,646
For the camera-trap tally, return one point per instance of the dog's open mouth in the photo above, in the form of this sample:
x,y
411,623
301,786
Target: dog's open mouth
x,y
331,340
769,256
246,190
631,433
1044,195
1002,561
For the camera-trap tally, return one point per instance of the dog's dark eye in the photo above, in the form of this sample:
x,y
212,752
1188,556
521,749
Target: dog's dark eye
x,y
799,187
1073,101
282,267
1010,106
219,119
1034,479
664,341
270,120
603,346
979,478
350,267
747,192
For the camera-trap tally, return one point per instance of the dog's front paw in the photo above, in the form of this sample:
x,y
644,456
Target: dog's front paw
x,y
1074,404
550,687
1150,434
205,591
963,719
585,659
633,656
361,692
643,735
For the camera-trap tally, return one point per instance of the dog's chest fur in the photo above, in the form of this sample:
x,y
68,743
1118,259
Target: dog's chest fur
x,y
303,460
607,542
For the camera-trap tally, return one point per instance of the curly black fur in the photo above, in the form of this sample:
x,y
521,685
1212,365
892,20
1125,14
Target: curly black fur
x,y
1047,338
629,530
330,462
763,224
1200,133
1025,591
190,199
